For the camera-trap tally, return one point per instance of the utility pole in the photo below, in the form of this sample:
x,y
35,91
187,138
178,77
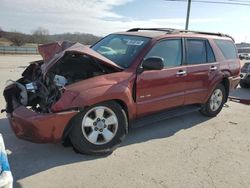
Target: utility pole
x,y
188,13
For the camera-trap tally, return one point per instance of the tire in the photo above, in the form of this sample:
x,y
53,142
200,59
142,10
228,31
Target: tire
x,y
218,97
91,134
244,85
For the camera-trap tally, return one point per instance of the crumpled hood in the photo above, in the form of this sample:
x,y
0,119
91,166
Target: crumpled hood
x,y
52,52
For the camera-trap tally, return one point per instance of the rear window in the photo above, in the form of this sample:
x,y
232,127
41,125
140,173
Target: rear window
x,y
227,48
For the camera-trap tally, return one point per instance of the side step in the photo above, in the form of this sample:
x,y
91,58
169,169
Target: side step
x,y
164,115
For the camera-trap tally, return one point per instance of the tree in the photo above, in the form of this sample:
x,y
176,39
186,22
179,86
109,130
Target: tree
x,y
18,39
1,32
40,35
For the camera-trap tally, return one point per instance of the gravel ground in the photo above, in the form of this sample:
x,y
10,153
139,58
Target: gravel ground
x,y
188,151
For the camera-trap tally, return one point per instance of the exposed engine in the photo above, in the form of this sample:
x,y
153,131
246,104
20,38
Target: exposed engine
x,y
40,92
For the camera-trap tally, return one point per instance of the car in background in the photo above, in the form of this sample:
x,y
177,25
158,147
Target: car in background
x,y
245,75
93,96
243,56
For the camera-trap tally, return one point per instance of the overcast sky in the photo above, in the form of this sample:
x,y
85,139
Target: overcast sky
x,y
101,17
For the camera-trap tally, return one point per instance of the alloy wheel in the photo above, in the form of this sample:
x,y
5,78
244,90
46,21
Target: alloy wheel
x,y
99,125
216,100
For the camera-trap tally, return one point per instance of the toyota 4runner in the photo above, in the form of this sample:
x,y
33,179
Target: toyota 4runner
x,y
92,96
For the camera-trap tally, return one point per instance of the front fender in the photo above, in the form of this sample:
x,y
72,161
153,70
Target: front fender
x,y
82,99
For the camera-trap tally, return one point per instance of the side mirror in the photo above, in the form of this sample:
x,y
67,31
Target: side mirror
x,y
153,63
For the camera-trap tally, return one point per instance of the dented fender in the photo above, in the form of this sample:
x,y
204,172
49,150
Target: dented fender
x,y
80,100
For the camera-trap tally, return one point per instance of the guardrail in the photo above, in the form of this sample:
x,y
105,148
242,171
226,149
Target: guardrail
x,y
18,50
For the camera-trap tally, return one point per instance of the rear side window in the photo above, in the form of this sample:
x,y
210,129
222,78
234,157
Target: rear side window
x,y
199,51
210,53
196,51
227,48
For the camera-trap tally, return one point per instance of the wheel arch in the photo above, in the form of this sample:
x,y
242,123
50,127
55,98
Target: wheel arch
x,y
71,123
225,82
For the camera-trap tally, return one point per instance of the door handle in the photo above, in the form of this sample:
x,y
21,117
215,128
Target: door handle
x,y
181,73
213,68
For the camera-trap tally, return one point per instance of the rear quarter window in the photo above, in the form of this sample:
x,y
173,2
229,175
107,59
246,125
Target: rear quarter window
x,y
227,48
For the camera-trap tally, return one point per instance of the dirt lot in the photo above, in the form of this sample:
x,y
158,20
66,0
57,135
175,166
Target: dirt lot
x,y
188,151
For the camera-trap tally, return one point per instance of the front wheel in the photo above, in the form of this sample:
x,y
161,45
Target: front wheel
x,y
99,129
215,103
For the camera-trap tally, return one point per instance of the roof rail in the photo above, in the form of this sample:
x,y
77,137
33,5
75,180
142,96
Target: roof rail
x,y
171,30
168,30
206,33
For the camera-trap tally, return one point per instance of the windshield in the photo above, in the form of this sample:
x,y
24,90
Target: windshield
x,y
121,49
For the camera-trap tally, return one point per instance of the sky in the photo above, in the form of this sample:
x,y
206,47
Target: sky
x,y
101,17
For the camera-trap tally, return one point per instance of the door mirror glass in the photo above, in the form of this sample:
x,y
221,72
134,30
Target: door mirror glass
x,y
153,63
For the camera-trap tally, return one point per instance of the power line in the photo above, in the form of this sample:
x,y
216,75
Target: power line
x,y
216,2
240,1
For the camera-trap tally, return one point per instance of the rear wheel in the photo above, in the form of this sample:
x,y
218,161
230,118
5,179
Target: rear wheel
x,y
215,103
99,129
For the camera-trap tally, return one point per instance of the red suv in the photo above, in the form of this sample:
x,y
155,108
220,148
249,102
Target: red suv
x,y
92,96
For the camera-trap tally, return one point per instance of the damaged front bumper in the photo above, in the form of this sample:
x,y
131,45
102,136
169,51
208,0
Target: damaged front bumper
x,y
37,127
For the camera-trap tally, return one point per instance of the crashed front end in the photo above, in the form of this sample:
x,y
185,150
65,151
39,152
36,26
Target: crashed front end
x,y
39,104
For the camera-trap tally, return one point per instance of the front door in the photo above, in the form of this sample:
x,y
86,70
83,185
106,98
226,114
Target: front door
x,y
162,89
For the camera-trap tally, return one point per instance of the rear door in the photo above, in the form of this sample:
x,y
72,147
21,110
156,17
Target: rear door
x,y
161,89
202,69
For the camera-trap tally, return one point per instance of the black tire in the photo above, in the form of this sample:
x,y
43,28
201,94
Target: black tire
x,y
82,145
206,108
244,85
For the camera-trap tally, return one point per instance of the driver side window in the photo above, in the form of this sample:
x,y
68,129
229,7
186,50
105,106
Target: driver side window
x,y
170,50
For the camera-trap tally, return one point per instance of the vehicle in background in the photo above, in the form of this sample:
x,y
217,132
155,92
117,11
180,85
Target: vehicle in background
x,y
245,75
243,56
6,179
92,96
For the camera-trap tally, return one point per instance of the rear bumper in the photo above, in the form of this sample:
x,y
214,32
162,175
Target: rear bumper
x,y
39,128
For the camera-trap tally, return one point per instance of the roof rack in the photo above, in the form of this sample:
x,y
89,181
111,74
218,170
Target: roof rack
x,y
172,31
168,30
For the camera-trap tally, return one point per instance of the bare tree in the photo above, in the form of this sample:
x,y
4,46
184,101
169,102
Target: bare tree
x,y
18,39
40,35
1,32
